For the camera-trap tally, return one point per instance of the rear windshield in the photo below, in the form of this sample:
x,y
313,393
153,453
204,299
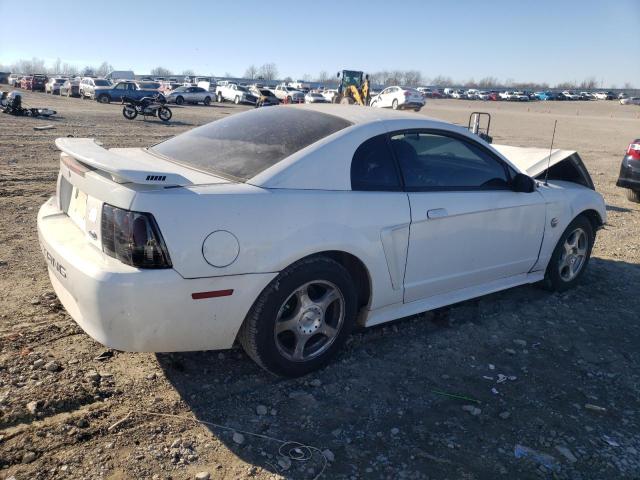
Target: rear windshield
x,y
242,145
101,83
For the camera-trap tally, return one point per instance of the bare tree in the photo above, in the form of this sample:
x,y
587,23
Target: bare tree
x,y
306,77
57,67
488,82
268,71
251,72
322,77
88,71
70,70
441,80
412,78
104,69
188,73
161,72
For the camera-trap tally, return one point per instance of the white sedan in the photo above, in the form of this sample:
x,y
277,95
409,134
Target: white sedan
x,y
630,101
315,97
398,98
284,228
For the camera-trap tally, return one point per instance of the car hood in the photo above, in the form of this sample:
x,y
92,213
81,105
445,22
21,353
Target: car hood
x,y
562,164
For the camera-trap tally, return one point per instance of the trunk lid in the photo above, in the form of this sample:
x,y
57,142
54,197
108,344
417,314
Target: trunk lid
x,y
91,176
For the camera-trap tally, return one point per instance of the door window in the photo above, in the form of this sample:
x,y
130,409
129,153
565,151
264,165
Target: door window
x,y
436,161
373,167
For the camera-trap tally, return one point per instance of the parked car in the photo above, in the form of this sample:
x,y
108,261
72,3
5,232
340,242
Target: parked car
x,y
482,95
265,96
622,95
25,82
88,86
237,94
288,94
629,177
458,94
70,88
182,95
35,83
315,97
545,96
14,80
374,215
399,98
630,101
167,87
115,93
518,97
604,95
53,85
330,94
586,96
150,85
569,95
494,96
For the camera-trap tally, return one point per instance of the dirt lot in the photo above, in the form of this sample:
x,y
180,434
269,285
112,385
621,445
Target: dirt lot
x,y
441,396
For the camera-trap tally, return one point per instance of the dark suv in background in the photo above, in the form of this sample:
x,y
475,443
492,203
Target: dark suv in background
x,y
630,172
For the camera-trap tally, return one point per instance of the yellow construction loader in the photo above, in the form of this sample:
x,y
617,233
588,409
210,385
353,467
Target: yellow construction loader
x,y
353,88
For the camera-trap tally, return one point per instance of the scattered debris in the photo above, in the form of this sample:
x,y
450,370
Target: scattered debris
x,y
52,366
203,476
610,441
45,127
566,453
238,438
104,355
548,461
595,408
472,409
119,422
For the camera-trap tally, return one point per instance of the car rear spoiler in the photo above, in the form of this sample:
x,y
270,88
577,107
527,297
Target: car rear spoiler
x,y
562,164
143,170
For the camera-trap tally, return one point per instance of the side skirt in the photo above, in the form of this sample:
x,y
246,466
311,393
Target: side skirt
x,y
400,310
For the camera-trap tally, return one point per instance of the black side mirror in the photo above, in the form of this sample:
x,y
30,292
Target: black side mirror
x,y
523,183
366,77
338,76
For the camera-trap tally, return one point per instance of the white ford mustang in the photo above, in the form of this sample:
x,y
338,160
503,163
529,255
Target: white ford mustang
x,y
285,227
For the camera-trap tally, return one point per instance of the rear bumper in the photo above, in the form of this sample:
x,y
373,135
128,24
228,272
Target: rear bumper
x,y
629,174
140,310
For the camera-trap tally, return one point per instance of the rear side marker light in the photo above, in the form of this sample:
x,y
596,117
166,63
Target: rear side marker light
x,y
212,294
634,150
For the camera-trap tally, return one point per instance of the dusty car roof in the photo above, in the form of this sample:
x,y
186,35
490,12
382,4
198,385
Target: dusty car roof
x,y
357,114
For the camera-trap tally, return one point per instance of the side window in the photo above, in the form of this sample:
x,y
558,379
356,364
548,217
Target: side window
x,y
373,167
440,162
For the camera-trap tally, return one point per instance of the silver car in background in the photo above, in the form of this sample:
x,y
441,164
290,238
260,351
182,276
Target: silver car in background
x,y
182,95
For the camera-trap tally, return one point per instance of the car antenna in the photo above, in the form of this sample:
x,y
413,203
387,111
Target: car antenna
x,y
546,175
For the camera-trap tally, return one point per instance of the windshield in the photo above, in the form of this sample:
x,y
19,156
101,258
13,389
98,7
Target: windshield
x,y
101,83
243,145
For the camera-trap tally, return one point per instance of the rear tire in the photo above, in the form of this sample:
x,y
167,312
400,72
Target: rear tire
x,y
220,99
129,112
236,100
104,99
207,101
633,195
394,105
571,256
293,328
179,100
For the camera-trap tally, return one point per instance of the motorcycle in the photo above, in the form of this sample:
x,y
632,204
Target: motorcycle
x,y
11,103
147,107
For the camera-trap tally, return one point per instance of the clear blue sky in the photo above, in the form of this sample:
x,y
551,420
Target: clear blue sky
x,y
544,40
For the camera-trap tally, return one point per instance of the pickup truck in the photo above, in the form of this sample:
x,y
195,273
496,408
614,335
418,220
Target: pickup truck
x,y
231,92
289,94
122,89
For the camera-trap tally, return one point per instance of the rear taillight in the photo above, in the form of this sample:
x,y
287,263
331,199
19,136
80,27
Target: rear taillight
x,y
634,149
133,238
406,94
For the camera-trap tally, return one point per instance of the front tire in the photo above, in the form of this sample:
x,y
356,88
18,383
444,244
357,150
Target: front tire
x,y
179,100
236,100
633,195
104,99
207,101
220,99
302,318
164,114
571,256
394,105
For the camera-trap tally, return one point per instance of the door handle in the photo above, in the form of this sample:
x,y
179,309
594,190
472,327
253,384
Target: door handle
x,y
437,213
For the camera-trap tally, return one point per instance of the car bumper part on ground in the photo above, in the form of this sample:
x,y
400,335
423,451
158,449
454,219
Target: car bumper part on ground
x,y
140,310
629,174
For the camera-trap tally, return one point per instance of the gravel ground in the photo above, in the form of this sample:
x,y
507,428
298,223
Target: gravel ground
x,y
519,384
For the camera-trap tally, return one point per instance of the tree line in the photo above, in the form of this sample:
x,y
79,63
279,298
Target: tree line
x,y
269,72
